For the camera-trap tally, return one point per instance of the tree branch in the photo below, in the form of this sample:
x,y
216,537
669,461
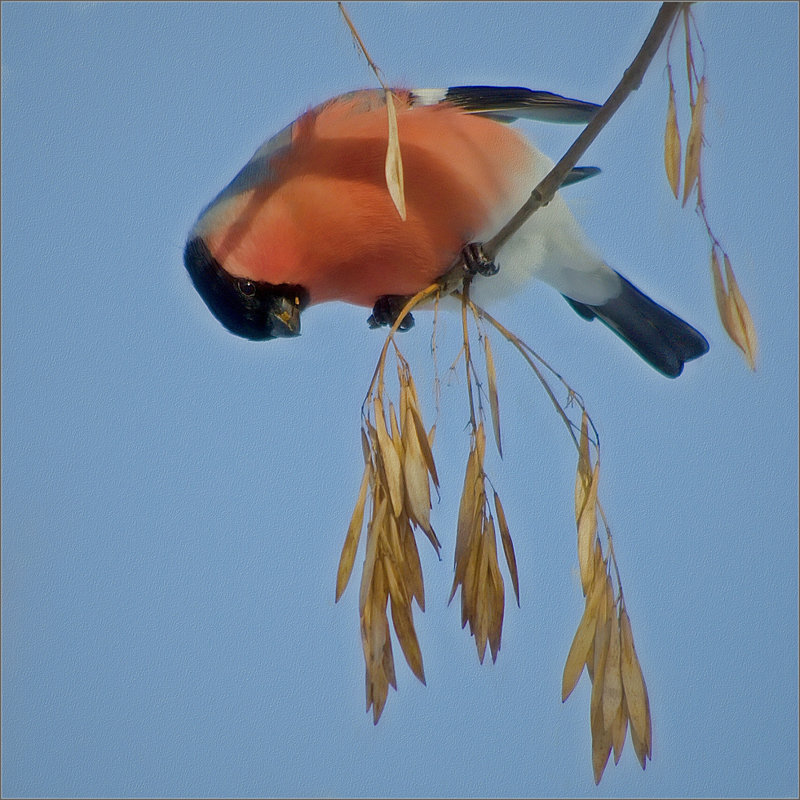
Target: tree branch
x,y
546,189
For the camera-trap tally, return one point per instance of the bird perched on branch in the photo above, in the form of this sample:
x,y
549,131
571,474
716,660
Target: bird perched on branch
x,y
309,218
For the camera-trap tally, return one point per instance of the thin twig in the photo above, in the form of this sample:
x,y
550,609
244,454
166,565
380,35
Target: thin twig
x,y
469,368
528,355
361,45
412,302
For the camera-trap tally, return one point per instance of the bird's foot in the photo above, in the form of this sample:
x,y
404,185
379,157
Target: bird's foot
x,y
476,262
387,309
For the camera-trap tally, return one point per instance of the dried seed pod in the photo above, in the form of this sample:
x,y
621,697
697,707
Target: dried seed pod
x,y
694,144
672,143
508,545
494,404
353,535
587,531
635,692
394,161
582,641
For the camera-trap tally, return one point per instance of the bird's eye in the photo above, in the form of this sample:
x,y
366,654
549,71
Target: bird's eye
x,y
247,288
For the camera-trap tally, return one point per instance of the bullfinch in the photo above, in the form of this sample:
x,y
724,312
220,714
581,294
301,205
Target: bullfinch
x,y
309,218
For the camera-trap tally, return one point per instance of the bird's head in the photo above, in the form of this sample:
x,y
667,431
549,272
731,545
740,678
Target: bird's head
x,y
252,309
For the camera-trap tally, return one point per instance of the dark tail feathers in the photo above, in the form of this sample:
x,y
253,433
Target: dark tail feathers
x,y
657,335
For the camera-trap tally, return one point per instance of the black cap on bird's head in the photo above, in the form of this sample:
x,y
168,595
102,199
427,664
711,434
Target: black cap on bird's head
x,y
251,309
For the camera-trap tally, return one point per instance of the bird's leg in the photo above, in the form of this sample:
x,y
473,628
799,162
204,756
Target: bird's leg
x,y
476,263
386,310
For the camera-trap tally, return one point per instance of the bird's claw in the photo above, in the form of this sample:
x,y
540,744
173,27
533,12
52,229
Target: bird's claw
x,y
387,309
476,263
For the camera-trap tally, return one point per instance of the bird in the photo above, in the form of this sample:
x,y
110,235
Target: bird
x,y
309,219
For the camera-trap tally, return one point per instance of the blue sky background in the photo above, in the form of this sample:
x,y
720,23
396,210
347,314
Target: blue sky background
x,y
175,498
